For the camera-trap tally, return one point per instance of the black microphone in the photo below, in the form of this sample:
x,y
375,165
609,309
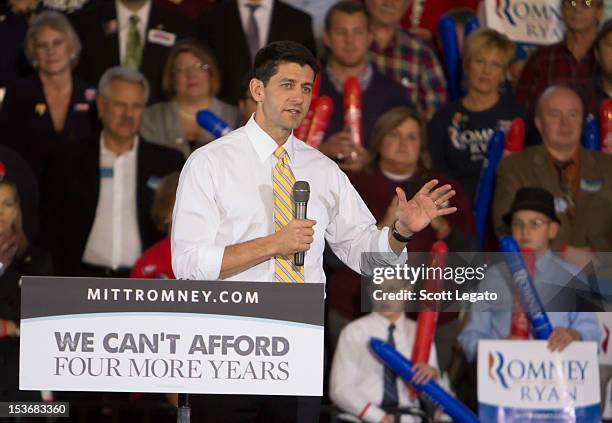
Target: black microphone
x,y
301,195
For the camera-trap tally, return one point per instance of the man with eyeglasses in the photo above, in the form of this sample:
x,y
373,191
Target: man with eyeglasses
x,y
580,180
534,226
568,62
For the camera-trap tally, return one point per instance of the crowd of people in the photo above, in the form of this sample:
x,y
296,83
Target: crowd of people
x,y
98,115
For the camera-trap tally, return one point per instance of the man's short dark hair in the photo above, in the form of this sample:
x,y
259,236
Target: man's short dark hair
x,y
349,7
274,54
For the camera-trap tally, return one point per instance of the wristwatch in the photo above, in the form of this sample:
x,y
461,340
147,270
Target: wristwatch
x,y
398,236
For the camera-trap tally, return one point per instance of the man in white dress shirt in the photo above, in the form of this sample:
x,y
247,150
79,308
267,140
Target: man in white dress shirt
x,y
97,193
226,222
358,378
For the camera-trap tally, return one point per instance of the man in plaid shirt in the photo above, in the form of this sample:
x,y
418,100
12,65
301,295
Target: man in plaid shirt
x,y
404,57
569,62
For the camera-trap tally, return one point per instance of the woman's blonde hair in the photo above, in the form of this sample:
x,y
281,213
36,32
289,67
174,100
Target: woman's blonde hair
x,y
163,201
487,39
17,227
203,53
386,123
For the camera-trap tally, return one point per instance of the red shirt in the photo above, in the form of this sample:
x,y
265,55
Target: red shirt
x,y
155,263
553,65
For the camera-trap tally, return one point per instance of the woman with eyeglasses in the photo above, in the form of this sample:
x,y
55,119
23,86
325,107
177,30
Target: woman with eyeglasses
x,y
54,105
191,80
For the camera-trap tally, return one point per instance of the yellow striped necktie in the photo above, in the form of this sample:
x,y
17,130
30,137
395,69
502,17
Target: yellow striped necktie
x,y
285,269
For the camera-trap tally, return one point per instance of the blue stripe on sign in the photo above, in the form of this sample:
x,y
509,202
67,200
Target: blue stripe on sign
x,y
492,413
106,172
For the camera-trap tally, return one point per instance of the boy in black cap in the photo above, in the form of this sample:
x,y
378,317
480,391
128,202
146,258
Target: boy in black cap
x,y
533,220
534,225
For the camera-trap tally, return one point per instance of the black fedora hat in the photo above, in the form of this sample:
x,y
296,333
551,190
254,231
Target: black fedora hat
x,y
532,198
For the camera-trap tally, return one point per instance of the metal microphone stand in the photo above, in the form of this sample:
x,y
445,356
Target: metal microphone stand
x,y
184,411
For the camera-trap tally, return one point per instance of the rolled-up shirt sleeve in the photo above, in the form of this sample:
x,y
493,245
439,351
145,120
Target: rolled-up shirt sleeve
x,y
195,220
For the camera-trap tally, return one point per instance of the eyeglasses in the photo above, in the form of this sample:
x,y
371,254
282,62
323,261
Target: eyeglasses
x,y
584,3
532,225
198,67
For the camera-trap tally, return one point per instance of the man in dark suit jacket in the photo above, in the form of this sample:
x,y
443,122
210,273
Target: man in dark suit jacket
x,y
580,180
103,29
98,193
225,28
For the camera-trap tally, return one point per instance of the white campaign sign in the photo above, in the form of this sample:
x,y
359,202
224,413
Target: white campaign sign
x,y
526,21
130,335
524,380
171,352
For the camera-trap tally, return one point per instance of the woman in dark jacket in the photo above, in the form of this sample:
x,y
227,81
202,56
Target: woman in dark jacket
x,y
53,105
399,159
459,133
17,258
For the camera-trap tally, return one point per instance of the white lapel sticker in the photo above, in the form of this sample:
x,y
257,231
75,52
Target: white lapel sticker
x,y
164,38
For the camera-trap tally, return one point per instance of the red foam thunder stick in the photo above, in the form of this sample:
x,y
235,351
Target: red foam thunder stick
x,y
320,120
605,126
519,328
515,139
301,132
428,316
352,110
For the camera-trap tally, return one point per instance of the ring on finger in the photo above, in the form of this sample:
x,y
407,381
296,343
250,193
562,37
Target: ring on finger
x,y
340,156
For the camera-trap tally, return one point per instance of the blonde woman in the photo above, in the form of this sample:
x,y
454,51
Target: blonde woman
x,y
460,132
53,106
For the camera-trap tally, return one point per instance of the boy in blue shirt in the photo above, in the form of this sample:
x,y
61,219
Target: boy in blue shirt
x,y
534,225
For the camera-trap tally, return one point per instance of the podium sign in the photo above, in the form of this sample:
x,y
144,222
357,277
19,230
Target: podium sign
x,y
521,381
128,335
